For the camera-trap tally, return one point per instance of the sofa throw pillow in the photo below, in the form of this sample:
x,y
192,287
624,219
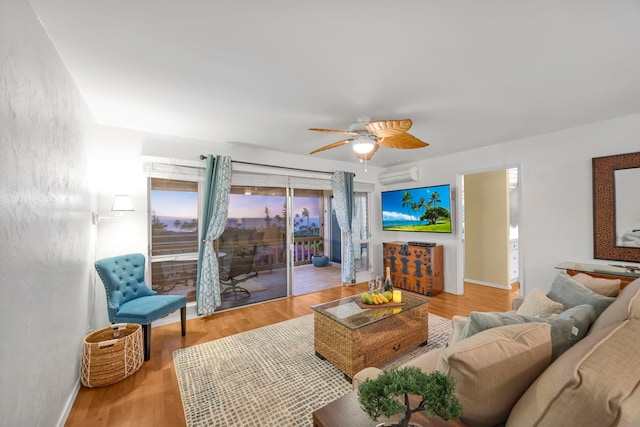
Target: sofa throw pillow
x,y
583,317
571,293
517,302
493,369
595,383
457,326
620,309
601,286
560,328
537,304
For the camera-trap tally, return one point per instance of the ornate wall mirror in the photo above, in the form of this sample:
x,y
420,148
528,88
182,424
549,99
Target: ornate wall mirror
x,y
616,207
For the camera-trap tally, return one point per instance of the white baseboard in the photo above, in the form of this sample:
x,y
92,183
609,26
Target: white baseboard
x,y
492,285
70,401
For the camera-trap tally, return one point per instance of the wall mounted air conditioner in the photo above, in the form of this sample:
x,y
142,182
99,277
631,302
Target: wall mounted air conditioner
x,y
395,177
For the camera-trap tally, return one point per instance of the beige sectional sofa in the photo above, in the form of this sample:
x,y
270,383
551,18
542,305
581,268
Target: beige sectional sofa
x,y
511,372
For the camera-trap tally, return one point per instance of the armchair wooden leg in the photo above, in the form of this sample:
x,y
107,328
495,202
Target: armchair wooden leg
x,y
146,329
183,320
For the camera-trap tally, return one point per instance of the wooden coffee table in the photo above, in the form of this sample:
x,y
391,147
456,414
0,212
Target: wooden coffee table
x,y
346,411
352,336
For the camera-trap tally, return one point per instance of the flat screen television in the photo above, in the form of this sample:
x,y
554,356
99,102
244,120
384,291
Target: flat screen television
x,y
422,209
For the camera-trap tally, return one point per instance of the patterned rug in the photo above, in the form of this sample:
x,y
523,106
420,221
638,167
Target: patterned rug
x,y
269,376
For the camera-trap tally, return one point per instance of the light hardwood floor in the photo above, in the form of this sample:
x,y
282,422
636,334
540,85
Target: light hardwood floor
x,y
151,396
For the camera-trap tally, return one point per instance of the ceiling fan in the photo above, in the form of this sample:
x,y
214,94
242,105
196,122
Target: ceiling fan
x,y
367,136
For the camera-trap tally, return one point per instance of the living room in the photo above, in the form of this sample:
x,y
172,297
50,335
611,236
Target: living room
x,y
60,165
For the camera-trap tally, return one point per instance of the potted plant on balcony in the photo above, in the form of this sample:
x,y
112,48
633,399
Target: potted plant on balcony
x,y
319,259
379,397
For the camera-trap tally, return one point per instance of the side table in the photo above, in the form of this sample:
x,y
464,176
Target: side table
x,y
600,270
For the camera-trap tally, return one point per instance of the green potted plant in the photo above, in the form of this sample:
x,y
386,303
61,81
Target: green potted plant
x,y
379,397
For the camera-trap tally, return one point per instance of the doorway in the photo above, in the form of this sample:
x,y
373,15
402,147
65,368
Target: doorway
x,y
490,224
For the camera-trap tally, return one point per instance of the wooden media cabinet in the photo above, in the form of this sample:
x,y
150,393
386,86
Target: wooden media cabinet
x,y
415,268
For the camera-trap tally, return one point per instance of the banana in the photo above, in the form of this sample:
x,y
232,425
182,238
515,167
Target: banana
x,y
375,298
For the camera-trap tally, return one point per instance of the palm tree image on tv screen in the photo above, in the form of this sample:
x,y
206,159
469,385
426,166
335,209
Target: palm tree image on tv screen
x,y
426,209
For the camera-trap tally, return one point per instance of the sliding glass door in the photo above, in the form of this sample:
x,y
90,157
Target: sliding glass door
x,y
308,224
253,248
276,236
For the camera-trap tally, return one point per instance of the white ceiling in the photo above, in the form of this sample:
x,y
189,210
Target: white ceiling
x,y
468,73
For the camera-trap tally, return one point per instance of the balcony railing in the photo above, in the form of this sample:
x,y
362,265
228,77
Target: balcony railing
x,y
178,276
305,247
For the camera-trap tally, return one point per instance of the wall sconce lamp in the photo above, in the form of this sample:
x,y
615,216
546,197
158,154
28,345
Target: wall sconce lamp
x,y
121,204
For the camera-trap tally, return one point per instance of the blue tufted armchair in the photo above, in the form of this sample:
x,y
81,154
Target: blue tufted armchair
x,y
129,299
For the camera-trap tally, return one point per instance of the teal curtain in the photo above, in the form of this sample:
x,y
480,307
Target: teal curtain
x,y
214,218
342,185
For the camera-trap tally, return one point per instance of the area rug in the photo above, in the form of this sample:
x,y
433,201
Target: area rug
x,y
268,376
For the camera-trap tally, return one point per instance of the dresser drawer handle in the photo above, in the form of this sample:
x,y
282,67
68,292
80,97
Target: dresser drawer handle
x,y
396,347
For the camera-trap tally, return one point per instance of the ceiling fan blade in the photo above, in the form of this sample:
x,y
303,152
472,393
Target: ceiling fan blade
x,y
402,141
330,146
369,155
386,128
343,132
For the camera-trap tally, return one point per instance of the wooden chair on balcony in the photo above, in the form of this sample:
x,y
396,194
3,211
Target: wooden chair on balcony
x,y
241,268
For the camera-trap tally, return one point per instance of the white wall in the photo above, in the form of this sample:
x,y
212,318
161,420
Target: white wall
x,y
47,239
555,199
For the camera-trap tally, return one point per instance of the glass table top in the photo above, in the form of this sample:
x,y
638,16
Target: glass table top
x,y
349,313
613,269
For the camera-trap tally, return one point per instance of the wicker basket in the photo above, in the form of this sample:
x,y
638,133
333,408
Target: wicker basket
x,y
111,354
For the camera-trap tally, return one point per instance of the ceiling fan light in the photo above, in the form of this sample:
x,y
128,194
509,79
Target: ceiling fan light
x,y
363,145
